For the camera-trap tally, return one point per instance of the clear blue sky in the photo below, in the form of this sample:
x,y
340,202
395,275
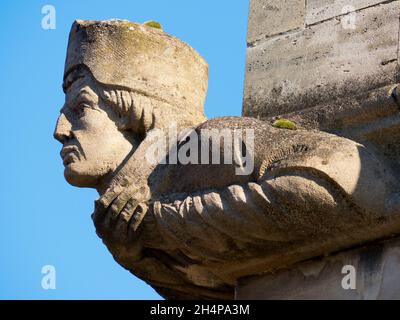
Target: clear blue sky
x,y
43,220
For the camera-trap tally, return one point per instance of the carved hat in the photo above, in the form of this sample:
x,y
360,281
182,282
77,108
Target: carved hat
x,y
139,58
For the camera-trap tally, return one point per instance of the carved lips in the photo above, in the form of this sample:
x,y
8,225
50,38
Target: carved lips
x,y
69,154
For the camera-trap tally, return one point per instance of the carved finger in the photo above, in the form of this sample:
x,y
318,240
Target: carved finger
x,y
128,211
138,216
119,203
109,196
121,227
103,222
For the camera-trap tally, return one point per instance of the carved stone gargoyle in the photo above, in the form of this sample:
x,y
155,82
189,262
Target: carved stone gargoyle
x,y
189,228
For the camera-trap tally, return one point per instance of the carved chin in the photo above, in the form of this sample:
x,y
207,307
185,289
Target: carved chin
x,y
79,178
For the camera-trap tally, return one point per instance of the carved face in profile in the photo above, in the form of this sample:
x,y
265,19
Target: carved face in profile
x,y
93,145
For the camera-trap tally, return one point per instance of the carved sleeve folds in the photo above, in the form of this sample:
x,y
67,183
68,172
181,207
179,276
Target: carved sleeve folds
x,y
214,223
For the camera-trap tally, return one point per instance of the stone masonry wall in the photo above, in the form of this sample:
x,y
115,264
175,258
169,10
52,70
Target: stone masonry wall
x,y
324,62
371,272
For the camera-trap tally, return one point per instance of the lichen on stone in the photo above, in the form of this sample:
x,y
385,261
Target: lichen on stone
x,y
284,124
153,24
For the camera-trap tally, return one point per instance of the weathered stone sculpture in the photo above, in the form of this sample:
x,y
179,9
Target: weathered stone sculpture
x,y
192,230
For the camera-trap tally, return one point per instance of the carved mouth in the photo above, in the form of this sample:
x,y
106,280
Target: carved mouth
x,y
69,154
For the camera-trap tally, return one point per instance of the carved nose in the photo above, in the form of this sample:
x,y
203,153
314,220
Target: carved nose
x,y
63,129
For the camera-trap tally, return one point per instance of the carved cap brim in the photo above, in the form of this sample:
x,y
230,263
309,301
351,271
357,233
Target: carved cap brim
x,y
140,58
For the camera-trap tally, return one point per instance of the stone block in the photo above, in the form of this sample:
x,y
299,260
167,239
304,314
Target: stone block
x,y
375,270
320,10
323,63
268,17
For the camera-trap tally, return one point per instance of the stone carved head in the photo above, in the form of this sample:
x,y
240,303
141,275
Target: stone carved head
x,y
121,80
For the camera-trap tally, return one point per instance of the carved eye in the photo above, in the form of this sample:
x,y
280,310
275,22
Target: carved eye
x,y
79,110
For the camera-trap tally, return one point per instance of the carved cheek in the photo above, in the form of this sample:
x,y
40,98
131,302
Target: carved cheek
x,y
95,121
98,134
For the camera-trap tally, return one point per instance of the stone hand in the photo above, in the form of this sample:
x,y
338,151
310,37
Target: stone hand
x,y
118,214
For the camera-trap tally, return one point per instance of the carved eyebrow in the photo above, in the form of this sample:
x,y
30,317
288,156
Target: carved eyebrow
x,y
84,95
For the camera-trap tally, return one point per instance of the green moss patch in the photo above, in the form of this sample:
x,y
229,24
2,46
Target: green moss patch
x,y
153,24
284,124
